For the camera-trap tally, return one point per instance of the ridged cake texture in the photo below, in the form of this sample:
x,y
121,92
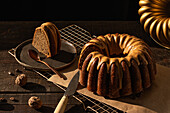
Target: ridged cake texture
x,y
116,65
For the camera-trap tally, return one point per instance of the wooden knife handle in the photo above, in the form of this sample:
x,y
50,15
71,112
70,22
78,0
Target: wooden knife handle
x,y
61,105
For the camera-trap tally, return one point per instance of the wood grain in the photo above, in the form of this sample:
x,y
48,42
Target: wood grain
x,y
13,33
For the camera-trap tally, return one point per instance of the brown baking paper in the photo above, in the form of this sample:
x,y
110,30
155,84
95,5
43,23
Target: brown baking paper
x,y
154,99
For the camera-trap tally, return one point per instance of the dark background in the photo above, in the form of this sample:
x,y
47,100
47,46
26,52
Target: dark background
x,y
12,10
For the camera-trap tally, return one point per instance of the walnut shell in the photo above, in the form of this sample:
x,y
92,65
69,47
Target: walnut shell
x,y
21,80
35,102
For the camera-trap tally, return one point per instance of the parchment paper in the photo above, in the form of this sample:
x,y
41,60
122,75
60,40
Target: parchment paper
x,y
154,99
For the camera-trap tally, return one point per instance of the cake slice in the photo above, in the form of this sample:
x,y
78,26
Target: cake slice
x,y
47,39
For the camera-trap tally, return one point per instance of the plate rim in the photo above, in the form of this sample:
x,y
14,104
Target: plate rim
x,y
42,69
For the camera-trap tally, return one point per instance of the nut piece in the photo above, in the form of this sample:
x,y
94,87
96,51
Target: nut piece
x,y
2,99
21,80
10,73
35,102
17,70
12,98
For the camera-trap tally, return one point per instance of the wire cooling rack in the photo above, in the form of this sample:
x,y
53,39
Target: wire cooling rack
x,y
78,37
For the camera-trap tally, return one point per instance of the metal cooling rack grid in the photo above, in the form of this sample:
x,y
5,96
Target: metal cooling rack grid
x,y
78,37
75,35
90,105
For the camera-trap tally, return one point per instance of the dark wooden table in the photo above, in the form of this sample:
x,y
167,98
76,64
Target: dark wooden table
x,y
13,33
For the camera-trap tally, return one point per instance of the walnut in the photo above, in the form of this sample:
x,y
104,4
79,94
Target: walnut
x,y
21,80
35,102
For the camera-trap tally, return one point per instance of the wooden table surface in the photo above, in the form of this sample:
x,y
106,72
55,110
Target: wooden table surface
x,y
13,33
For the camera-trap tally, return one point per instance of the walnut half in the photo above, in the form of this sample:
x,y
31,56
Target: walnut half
x,y
21,80
35,102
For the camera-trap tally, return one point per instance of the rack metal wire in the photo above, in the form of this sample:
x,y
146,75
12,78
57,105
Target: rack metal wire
x,y
78,37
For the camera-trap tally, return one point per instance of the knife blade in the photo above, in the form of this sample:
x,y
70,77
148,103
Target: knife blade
x,y
69,91
72,85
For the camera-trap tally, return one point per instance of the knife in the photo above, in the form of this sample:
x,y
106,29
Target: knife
x,y
69,91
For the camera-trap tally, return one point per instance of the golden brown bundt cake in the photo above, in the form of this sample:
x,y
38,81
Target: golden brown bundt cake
x,y
47,39
116,65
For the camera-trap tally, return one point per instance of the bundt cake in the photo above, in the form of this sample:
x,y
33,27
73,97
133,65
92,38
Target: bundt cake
x,y
47,39
116,65
155,17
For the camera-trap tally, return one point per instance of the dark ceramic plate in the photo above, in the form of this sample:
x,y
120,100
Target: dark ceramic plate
x,y
65,57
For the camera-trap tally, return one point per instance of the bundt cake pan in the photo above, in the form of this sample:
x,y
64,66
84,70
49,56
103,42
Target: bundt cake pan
x,y
155,18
